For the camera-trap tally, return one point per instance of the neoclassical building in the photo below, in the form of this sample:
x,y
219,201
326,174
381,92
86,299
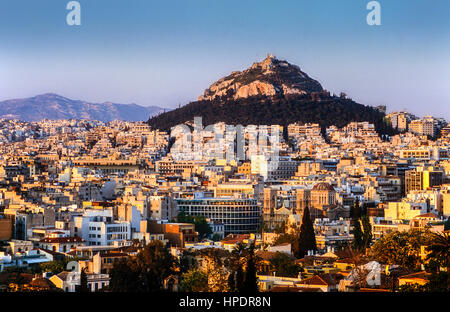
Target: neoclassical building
x,y
323,196
319,199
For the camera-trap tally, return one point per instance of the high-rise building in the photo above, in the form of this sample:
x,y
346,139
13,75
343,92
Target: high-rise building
x,y
239,215
422,178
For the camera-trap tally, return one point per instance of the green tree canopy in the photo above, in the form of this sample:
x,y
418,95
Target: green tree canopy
x,y
285,265
194,281
401,248
123,278
201,226
439,249
146,272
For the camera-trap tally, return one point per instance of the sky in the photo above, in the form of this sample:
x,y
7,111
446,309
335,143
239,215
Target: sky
x,y
166,53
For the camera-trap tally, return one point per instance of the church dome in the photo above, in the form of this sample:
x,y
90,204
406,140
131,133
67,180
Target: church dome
x,y
323,186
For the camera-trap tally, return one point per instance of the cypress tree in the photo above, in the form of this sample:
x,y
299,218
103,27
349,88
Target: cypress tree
x,y
367,228
250,284
83,281
239,279
237,276
307,238
356,209
357,235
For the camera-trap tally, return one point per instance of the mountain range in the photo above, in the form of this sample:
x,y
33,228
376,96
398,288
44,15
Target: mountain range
x,y
269,92
53,106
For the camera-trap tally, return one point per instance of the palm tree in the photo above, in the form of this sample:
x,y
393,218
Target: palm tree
x,y
439,249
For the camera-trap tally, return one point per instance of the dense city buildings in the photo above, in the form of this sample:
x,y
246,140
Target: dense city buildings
x,y
94,193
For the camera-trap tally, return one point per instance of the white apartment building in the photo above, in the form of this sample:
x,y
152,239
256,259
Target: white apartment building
x,y
70,281
98,228
277,168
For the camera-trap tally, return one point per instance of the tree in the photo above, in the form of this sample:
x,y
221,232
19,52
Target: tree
x,y
306,239
182,217
355,212
367,229
214,266
83,281
202,227
123,278
250,284
239,279
56,266
285,238
284,265
439,282
187,261
358,260
154,263
407,288
447,225
281,229
194,281
439,249
401,248
146,272
236,278
357,235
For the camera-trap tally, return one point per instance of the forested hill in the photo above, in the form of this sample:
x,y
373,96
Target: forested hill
x,y
318,108
271,92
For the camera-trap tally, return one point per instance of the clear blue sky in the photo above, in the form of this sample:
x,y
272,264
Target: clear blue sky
x,y
167,52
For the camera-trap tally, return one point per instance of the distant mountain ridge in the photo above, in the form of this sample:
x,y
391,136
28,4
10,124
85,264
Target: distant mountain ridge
x,y
53,106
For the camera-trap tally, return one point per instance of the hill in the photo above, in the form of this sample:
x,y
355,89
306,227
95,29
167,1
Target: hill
x,y
281,110
271,92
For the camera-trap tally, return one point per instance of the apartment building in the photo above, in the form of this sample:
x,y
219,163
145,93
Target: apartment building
x,y
97,227
239,215
423,178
